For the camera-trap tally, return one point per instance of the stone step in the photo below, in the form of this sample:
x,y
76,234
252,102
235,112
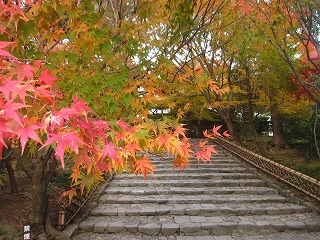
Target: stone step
x,y
201,165
288,235
191,191
223,199
188,183
183,175
215,158
200,225
184,199
197,209
199,170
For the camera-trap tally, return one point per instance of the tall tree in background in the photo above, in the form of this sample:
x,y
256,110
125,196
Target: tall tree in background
x,y
292,27
91,46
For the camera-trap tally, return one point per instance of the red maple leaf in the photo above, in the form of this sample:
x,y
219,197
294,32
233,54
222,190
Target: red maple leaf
x,y
102,125
15,13
70,193
44,92
15,88
24,70
215,130
210,149
202,144
110,151
203,155
1,148
4,52
80,106
104,165
311,50
226,134
63,140
47,78
122,124
144,166
26,133
245,7
2,142
9,110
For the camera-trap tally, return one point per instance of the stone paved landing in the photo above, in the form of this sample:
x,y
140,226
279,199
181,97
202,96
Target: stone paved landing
x,y
221,200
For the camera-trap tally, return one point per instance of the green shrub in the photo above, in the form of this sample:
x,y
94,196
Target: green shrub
x,y
62,179
3,231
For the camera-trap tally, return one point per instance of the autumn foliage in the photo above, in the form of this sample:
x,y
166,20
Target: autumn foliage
x,y
34,113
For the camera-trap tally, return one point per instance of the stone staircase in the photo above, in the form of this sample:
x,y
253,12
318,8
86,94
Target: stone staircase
x,y
225,199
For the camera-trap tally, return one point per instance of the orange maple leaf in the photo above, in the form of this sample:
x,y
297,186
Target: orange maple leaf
x,y
131,148
179,130
244,7
207,135
70,193
144,166
163,140
180,162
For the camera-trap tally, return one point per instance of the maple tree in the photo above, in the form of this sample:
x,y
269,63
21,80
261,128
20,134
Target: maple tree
x,y
48,129
198,73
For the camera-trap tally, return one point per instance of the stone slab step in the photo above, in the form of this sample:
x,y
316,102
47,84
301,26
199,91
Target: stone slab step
x,y
199,225
182,198
190,190
288,235
201,165
218,160
188,183
215,159
199,209
183,175
230,169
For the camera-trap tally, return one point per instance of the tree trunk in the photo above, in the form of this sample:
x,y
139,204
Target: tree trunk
x,y
315,132
39,202
40,170
251,114
278,133
7,158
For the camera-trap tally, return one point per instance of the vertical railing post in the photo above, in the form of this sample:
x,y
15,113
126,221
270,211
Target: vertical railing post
x,y
61,218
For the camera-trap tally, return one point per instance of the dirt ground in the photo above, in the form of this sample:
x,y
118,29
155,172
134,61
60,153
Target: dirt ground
x,y
16,209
